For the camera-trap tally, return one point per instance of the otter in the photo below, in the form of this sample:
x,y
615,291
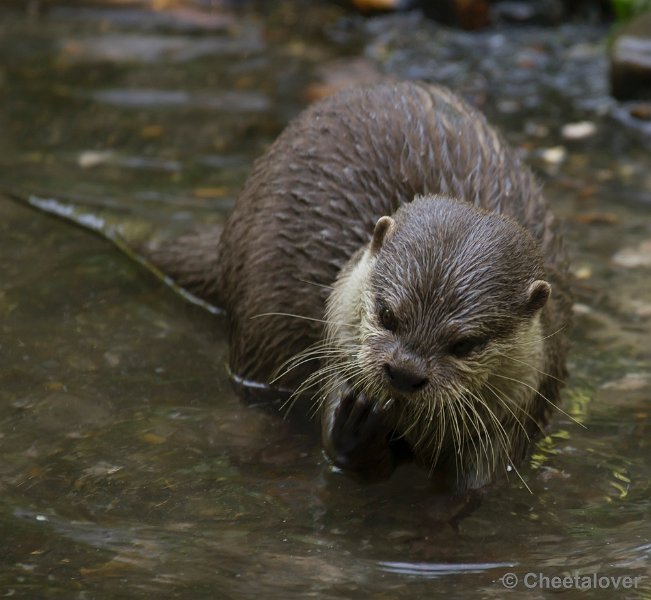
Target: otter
x,y
392,260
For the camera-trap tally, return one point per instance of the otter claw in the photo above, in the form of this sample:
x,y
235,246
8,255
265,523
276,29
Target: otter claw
x,y
360,436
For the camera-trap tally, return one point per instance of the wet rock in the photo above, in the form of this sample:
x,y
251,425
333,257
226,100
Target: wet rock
x,y
630,60
631,257
635,115
165,17
639,308
153,98
554,156
641,115
578,131
581,309
582,274
148,48
541,12
93,158
549,12
630,382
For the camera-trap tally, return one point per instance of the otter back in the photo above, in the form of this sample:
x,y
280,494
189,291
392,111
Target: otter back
x,y
313,199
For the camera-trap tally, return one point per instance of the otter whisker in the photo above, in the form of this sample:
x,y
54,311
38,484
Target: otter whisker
x,y
561,328
484,437
506,400
522,362
302,317
533,343
505,404
316,378
502,435
481,402
504,439
456,434
301,359
313,380
321,285
321,349
441,429
558,408
479,445
484,441
414,422
331,374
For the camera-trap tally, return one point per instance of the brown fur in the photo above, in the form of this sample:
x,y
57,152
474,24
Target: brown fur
x,y
312,202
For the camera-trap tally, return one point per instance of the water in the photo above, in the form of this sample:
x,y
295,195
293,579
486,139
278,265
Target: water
x,y
130,468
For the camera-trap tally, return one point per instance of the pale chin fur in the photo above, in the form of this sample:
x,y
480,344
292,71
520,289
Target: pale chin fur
x,y
350,304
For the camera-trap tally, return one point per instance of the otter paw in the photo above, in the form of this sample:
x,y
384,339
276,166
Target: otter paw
x,y
360,437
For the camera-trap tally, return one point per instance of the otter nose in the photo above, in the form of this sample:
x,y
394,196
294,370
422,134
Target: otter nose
x,y
404,379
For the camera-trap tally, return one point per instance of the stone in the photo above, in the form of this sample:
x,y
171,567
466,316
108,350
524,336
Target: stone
x,y
633,257
529,12
630,60
578,131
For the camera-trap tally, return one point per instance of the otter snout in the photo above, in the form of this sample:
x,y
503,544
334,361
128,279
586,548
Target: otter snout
x,y
405,378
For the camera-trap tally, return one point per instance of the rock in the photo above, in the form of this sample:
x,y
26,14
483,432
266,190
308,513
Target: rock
x,y
541,12
578,131
630,382
630,60
630,258
581,309
635,115
583,273
554,156
640,308
92,158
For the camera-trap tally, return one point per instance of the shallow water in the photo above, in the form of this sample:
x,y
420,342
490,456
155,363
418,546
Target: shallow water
x,y
130,468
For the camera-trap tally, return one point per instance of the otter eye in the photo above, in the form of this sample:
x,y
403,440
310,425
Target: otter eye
x,y
465,346
387,318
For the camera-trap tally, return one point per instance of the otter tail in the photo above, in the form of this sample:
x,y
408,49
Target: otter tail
x,y
188,264
191,261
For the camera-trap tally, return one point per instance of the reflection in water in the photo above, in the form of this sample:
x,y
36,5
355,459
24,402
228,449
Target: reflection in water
x,y
434,571
129,464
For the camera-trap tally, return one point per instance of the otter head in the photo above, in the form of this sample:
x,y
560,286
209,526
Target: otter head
x,y
440,315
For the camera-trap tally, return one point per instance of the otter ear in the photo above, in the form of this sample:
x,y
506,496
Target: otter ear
x,y
537,295
382,232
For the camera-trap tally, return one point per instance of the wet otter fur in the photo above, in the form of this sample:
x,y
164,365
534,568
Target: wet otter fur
x,y
391,258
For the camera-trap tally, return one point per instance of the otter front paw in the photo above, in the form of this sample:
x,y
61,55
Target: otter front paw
x,y
357,436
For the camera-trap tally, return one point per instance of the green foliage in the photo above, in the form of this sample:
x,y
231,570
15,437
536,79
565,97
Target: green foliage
x,y
625,9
